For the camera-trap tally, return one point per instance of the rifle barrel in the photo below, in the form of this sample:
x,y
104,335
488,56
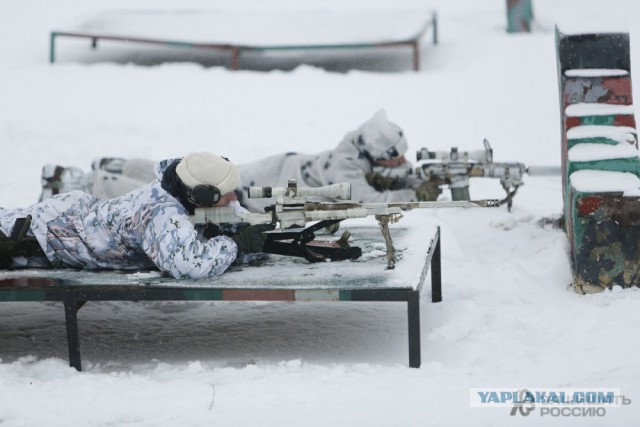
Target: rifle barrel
x,y
483,203
543,170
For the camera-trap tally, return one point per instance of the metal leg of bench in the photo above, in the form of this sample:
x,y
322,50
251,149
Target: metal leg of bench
x,y
436,274
416,55
52,48
413,315
235,58
73,339
434,23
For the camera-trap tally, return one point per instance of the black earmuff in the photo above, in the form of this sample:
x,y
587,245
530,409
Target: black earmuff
x,y
203,195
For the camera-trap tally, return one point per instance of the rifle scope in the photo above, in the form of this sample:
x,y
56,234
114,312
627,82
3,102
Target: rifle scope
x,y
340,191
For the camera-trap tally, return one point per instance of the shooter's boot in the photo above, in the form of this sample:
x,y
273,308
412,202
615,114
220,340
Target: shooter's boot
x,y
109,164
58,179
50,181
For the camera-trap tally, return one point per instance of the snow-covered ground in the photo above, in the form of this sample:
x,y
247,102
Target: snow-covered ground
x,y
509,316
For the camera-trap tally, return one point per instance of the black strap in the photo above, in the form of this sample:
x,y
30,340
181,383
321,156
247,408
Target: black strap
x,y
20,228
301,243
312,252
5,259
18,243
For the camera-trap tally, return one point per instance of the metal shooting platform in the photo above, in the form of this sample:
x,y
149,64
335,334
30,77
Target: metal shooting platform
x,y
260,31
276,278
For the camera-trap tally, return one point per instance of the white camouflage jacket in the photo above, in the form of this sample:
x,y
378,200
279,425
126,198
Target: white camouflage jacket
x,y
350,162
142,229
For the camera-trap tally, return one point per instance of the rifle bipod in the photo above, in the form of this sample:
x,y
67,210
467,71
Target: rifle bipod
x,y
301,243
384,221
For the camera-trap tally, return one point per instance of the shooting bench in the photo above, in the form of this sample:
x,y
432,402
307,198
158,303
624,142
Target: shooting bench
x,y
364,279
258,31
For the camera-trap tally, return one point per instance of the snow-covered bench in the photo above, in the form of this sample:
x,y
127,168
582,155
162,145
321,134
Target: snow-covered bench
x,y
259,31
277,279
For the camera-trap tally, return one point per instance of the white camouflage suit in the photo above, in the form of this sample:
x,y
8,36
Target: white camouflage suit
x,y
350,161
145,228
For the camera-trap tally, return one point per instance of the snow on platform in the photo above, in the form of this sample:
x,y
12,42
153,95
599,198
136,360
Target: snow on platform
x,y
595,181
593,131
588,109
258,29
596,72
591,152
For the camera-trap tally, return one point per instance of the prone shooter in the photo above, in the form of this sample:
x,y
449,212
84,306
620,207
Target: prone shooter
x,y
296,206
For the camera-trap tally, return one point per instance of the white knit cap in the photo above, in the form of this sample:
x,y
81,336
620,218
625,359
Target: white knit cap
x,y
208,169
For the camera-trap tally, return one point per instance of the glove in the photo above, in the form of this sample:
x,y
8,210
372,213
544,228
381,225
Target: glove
x,y
383,183
428,191
251,239
211,230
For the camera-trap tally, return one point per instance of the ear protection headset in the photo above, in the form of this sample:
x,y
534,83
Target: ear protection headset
x,y
202,195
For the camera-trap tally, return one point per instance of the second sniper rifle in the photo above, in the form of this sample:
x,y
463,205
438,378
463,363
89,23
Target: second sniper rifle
x,y
294,208
454,168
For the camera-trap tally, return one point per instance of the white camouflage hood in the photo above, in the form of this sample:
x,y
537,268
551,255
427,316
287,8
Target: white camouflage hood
x,y
380,138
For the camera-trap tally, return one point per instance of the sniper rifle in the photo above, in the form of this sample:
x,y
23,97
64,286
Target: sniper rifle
x,y
293,209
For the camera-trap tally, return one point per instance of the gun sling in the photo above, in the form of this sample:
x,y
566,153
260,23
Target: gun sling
x,y
301,243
